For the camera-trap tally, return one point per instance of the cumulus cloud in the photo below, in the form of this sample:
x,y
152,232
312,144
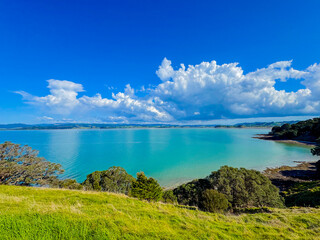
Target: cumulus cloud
x,y
219,91
204,92
63,100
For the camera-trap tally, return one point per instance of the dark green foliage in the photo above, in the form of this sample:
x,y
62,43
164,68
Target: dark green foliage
x,y
21,165
146,188
242,188
318,169
316,151
306,194
68,184
245,188
213,201
308,130
169,197
191,193
115,179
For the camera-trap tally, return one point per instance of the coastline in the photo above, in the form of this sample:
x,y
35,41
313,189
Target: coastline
x,y
289,141
285,176
133,127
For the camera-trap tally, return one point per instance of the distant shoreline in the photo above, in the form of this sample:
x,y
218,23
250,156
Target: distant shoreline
x,y
63,126
296,142
116,128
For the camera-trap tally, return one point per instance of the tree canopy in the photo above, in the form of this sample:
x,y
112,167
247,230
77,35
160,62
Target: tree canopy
x,y
245,188
241,187
146,188
213,201
115,179
21,165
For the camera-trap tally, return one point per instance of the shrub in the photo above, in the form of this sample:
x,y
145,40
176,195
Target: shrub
x,y
146,188
169,197
68,184
305,194
191,193
213,201
115,179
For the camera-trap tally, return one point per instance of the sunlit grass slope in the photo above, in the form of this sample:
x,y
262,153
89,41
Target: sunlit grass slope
x,y
39,213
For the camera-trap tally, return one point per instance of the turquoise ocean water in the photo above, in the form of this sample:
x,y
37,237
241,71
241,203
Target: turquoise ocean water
x,y
170,155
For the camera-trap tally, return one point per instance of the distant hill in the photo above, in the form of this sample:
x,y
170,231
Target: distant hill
x,y
13,126
20,126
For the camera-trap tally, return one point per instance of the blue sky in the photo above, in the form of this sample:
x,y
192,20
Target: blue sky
x,y
99,47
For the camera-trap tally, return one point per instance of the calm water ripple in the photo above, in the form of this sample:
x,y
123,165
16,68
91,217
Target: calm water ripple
x,y
169,155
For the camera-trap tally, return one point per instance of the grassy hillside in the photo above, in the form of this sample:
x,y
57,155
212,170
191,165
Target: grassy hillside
x,y
39,213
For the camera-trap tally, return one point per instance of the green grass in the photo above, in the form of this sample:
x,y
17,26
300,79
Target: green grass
x,y
39,213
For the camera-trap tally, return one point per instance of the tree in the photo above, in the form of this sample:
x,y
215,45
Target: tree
x,y
245,188
169,197
316,152
146,188
191,193
115,179
21,165
213,201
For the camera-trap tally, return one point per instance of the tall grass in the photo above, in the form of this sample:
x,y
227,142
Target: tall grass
x,y
39,213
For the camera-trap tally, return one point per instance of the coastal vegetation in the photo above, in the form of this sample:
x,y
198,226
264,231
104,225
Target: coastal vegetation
x,y
146,188
308,130
115,179
303,194
21,165
241,187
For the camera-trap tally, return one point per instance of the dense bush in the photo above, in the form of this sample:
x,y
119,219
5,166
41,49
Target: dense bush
x,y
169,197
21,165
306,194
146,188
115,179
213,201
245,188
242,188
191,193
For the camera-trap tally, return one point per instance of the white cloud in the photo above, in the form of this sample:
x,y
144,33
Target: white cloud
x,y
205,91
62,98
217,91
165,71
46,119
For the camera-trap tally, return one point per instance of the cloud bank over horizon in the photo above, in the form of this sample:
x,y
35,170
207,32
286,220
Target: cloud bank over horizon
x,y
202,92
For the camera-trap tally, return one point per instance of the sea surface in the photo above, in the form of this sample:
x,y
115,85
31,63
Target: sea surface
x,y
172,156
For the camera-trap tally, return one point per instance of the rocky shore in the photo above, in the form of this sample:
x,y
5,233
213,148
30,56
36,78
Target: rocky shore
x,y
285,176
290,141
